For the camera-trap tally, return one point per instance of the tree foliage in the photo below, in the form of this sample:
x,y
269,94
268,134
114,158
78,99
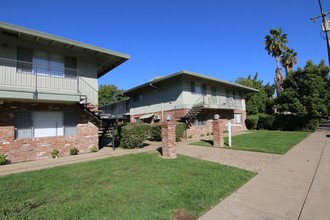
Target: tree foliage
x,y
306,91
257,102
109,94
276,46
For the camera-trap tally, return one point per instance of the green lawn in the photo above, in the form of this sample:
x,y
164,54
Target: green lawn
x,y
141,186
276,142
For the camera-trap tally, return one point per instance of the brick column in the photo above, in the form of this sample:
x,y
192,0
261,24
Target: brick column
x,y
217,129
168,140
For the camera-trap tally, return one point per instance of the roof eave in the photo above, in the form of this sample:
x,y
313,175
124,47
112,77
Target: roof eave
x,y
191,74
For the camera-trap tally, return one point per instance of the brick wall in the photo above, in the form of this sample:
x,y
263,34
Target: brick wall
x,y
200,130
38,148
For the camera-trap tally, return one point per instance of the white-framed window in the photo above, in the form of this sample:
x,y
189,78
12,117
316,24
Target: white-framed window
x,y
30,124
238,118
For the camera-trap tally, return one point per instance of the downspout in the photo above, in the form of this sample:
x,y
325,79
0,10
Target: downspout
x,y
161,100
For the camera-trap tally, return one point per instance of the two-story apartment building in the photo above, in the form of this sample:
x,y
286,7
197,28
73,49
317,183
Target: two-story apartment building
x,y
49,92
185,96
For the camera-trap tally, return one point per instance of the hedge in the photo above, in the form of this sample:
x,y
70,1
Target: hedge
x,y
281,122
251,121
133,135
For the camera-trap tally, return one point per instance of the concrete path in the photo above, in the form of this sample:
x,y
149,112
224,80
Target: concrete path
x,y
296,186
248,160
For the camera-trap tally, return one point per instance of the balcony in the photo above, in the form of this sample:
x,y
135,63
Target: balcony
x,y
221,101
24,80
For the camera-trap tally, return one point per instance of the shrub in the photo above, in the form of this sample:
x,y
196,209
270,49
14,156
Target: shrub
x,y
74,151
190,136
54,153
3,159
311,124
93,149
251,121
133,135
266,122
155,132
179,131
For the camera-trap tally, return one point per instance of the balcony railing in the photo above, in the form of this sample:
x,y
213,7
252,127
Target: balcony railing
x,y
221,100
25,76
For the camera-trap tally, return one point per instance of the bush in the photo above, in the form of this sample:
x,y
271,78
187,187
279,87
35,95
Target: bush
x,y
133,135
266,122
155,132
311,124
251,121
179,131
3,159
54,153
93,149
74,151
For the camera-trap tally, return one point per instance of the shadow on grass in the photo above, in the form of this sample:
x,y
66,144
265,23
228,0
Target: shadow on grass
x,y
208,141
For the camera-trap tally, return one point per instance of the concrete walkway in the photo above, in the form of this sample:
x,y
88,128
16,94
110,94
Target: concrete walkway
x,y
296,186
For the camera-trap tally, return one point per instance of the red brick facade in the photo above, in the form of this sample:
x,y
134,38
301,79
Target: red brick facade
x,y
38,148
199,130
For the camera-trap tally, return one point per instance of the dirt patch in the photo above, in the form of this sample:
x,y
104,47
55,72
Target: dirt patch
x,y
182,214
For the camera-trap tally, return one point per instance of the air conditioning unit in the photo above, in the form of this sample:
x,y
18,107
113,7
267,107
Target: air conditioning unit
x,y
157,117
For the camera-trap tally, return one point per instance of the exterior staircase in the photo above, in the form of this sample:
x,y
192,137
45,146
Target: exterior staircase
x,y
105,123
193,112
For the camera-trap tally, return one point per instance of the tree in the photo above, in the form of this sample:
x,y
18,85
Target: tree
x,y
275,44
306,91
288,60
109,94
257,102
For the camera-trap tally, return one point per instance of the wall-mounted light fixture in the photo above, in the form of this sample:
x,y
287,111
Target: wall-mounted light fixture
x,y
169,118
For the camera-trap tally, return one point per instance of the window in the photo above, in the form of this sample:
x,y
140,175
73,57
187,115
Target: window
x,y
44,124
48,64
24,60
45,63
70,66
195,88
238,118
201,119
137,97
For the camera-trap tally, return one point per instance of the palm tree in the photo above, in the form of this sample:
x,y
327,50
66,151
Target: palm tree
x,y
288,60
275,45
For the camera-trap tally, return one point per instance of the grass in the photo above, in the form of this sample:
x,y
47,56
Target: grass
x,y
276,142
141,186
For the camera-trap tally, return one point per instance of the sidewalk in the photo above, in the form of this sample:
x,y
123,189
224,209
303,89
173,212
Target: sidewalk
x,y
296,186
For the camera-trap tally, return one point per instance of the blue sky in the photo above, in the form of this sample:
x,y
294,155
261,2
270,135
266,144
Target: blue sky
x,y
222,39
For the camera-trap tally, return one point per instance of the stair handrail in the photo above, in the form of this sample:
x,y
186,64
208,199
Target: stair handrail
x,y
89,92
